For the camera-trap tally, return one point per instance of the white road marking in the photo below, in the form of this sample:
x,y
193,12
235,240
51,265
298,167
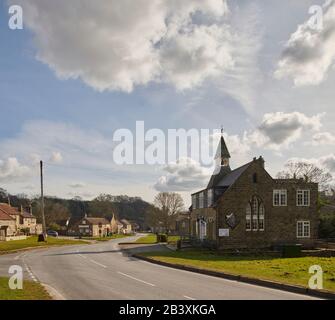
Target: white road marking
x,y
139,280
189,298
99,264
80,255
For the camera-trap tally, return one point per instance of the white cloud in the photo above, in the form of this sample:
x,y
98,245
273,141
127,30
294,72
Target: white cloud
x,y
56,157
12,170
328,162
116,45
183,175
281,129
323,138
77,185
310,53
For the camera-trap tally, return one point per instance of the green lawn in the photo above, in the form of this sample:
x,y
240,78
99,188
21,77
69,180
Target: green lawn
x,y
30,291
152,238
285,270
115,236
12,246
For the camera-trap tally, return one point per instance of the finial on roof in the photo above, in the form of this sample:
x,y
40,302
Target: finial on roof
x,y
222,130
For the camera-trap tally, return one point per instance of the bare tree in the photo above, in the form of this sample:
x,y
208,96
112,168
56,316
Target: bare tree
x,y
307,171
168,206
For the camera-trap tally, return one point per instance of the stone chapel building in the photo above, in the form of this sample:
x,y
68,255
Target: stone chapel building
x,y
247,208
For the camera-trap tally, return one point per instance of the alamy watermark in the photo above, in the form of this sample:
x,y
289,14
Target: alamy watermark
x,y
15,17
155,147
316,20
316,280
16,280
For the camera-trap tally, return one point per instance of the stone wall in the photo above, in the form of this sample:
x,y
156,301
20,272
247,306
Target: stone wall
x,y
280,222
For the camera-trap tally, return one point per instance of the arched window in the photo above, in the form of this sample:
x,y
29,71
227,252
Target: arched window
x,y
261,217
255,215
248,217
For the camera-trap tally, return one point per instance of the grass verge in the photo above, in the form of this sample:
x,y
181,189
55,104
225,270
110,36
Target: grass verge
x,y
30,291
152,238
31,242
115,236
292,271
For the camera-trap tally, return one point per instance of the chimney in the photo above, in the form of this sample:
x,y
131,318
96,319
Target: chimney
x,y
262,161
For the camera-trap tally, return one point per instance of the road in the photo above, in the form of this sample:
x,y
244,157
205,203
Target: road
x,y
103,271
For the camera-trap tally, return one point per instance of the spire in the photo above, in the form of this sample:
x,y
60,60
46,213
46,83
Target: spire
x,y
222,152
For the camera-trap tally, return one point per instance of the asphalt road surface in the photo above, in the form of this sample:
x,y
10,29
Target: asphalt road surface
x,y
102,271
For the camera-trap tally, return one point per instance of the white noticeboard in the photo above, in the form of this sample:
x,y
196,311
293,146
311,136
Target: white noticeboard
x,y
223,232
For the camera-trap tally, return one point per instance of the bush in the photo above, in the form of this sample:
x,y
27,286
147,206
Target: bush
x,y
291,251
162,238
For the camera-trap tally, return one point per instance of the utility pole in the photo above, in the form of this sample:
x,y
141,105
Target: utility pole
x,y
42,203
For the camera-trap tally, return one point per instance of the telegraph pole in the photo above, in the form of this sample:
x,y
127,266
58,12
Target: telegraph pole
x,y
42,203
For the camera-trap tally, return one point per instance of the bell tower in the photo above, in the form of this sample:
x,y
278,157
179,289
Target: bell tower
x,y
222,155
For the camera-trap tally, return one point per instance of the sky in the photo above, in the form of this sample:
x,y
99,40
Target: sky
x,y
80,70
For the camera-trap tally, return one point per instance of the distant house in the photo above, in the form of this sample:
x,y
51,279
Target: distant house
x,y
94,227
7,225
116,225
134,226
25,222
126,226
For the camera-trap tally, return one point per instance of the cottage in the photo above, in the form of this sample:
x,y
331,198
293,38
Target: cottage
x,y
126,226
7,226
94,227
25,222
247,208
116,226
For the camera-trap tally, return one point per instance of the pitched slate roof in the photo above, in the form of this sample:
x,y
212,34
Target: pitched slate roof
x,y
9,209
26,214
5,216
215,178
125,221
231,177
222,151
97,220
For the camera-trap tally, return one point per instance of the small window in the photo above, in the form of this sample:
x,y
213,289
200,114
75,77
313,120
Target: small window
x,y
210,197
303,198
201,200
279,198
254,178
194,201
303,229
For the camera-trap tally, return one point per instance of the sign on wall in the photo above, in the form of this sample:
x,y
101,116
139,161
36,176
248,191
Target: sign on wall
x,y
223,232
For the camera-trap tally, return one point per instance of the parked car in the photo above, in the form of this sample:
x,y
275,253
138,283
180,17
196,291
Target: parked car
x,y
52,233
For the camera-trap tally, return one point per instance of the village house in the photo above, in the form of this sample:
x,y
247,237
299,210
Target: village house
x,y
116,225
7,226
122,226
20,222
247,208
94,227
127,227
